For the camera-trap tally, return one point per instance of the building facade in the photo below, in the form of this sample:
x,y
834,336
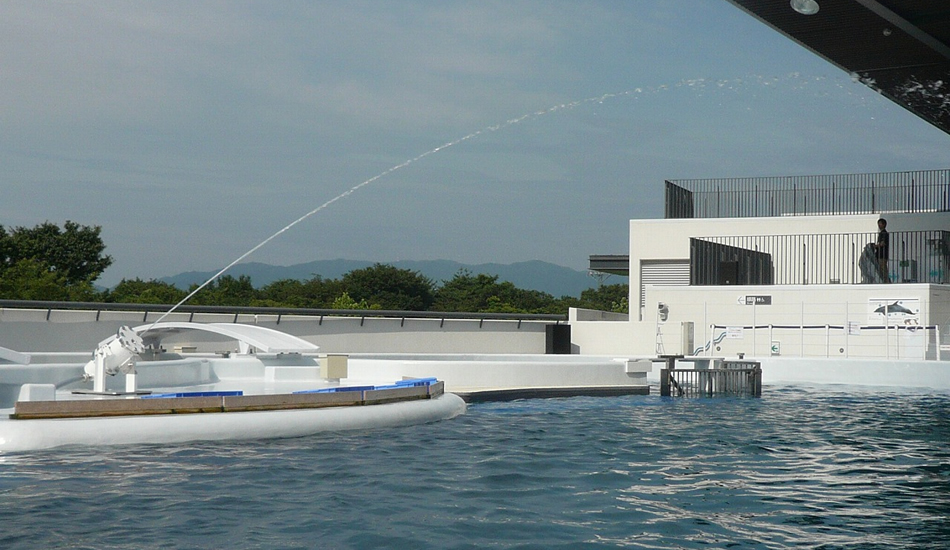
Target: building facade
x,y
787,266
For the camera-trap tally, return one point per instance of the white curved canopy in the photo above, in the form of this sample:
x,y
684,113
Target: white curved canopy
x,y
263,340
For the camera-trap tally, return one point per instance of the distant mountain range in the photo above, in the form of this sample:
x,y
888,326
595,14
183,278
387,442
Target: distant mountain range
x,y
532,275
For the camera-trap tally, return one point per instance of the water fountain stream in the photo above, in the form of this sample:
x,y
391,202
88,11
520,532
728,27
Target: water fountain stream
x,y
697,85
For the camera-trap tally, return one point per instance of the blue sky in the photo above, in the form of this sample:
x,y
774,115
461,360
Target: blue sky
x,y
193,131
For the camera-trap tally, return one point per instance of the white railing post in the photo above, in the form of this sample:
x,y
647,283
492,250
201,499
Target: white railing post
x,y
887,331
827,340
707,344
937,336
801,331
847,329
753,328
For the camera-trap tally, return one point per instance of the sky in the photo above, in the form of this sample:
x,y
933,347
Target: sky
x,y
478,132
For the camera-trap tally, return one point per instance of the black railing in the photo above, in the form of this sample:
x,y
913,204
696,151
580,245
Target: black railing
x,y
740,378
151,312
915,257
920,191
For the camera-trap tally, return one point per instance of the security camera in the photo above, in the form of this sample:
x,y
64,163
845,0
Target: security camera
x,y
663,311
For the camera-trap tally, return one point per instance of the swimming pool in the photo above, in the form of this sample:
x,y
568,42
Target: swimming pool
x,y
803,467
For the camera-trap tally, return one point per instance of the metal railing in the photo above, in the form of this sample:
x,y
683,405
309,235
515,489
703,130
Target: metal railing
x,y
918,191
148,309
915,257
836,340
742,378
882,322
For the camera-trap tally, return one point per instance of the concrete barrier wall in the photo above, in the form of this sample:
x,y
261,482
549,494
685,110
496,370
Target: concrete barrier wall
x,y
620,338
812,321
794,306
491,372
28,330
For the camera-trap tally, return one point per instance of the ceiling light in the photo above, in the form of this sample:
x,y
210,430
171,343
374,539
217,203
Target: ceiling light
x,y
805,7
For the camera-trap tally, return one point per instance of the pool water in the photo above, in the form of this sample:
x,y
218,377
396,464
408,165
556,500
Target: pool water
x,y
801,467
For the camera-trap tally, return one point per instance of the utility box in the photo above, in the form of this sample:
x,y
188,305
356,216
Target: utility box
x,y
908,271
333,366
728,273
688,347
557,339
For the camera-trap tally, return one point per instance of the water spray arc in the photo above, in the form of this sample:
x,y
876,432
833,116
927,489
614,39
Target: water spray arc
x,y
693,84
494,128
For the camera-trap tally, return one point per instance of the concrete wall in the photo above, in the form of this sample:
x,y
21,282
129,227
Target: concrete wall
x,y
893,373
487,372
67,330
931,375
810,320
608,337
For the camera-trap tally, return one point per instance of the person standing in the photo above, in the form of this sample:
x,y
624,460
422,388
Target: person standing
x,y
882,248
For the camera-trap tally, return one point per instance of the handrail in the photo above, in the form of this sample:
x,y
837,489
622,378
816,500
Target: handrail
x,y
251,310
729,378
910,192
826,258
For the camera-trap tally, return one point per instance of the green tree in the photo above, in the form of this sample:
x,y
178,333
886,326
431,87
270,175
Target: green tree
x,y
226,291
6,249
320,293
465,292
76,252
607,298
314,293
390,287
344,301
30,279
497,305
282,293
137,291
483,293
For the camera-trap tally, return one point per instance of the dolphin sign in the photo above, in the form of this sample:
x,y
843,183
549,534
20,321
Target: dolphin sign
x,y
896,307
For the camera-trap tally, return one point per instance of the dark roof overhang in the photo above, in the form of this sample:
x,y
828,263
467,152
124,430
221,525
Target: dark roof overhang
x,y
900,48
613,264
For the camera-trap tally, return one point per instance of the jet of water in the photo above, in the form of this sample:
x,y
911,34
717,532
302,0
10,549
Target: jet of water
x,y
693,83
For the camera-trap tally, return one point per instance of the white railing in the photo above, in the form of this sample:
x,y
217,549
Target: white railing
x,y
884,329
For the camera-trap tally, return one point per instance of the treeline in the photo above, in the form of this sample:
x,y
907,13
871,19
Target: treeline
x,y
49,263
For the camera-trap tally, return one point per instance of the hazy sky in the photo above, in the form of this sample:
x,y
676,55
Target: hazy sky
x,y
192,131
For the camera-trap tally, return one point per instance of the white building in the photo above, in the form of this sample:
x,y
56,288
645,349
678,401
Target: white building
x,y
781,267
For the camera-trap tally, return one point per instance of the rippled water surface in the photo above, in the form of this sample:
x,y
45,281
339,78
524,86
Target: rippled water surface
x,y
821,467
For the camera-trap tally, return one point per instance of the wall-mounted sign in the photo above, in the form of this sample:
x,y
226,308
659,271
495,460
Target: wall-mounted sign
x,y
898,311
758,300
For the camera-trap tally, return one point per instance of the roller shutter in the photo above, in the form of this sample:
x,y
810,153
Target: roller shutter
x,y
662,272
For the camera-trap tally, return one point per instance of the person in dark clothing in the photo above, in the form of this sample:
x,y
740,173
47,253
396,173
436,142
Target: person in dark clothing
x,y
882,248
